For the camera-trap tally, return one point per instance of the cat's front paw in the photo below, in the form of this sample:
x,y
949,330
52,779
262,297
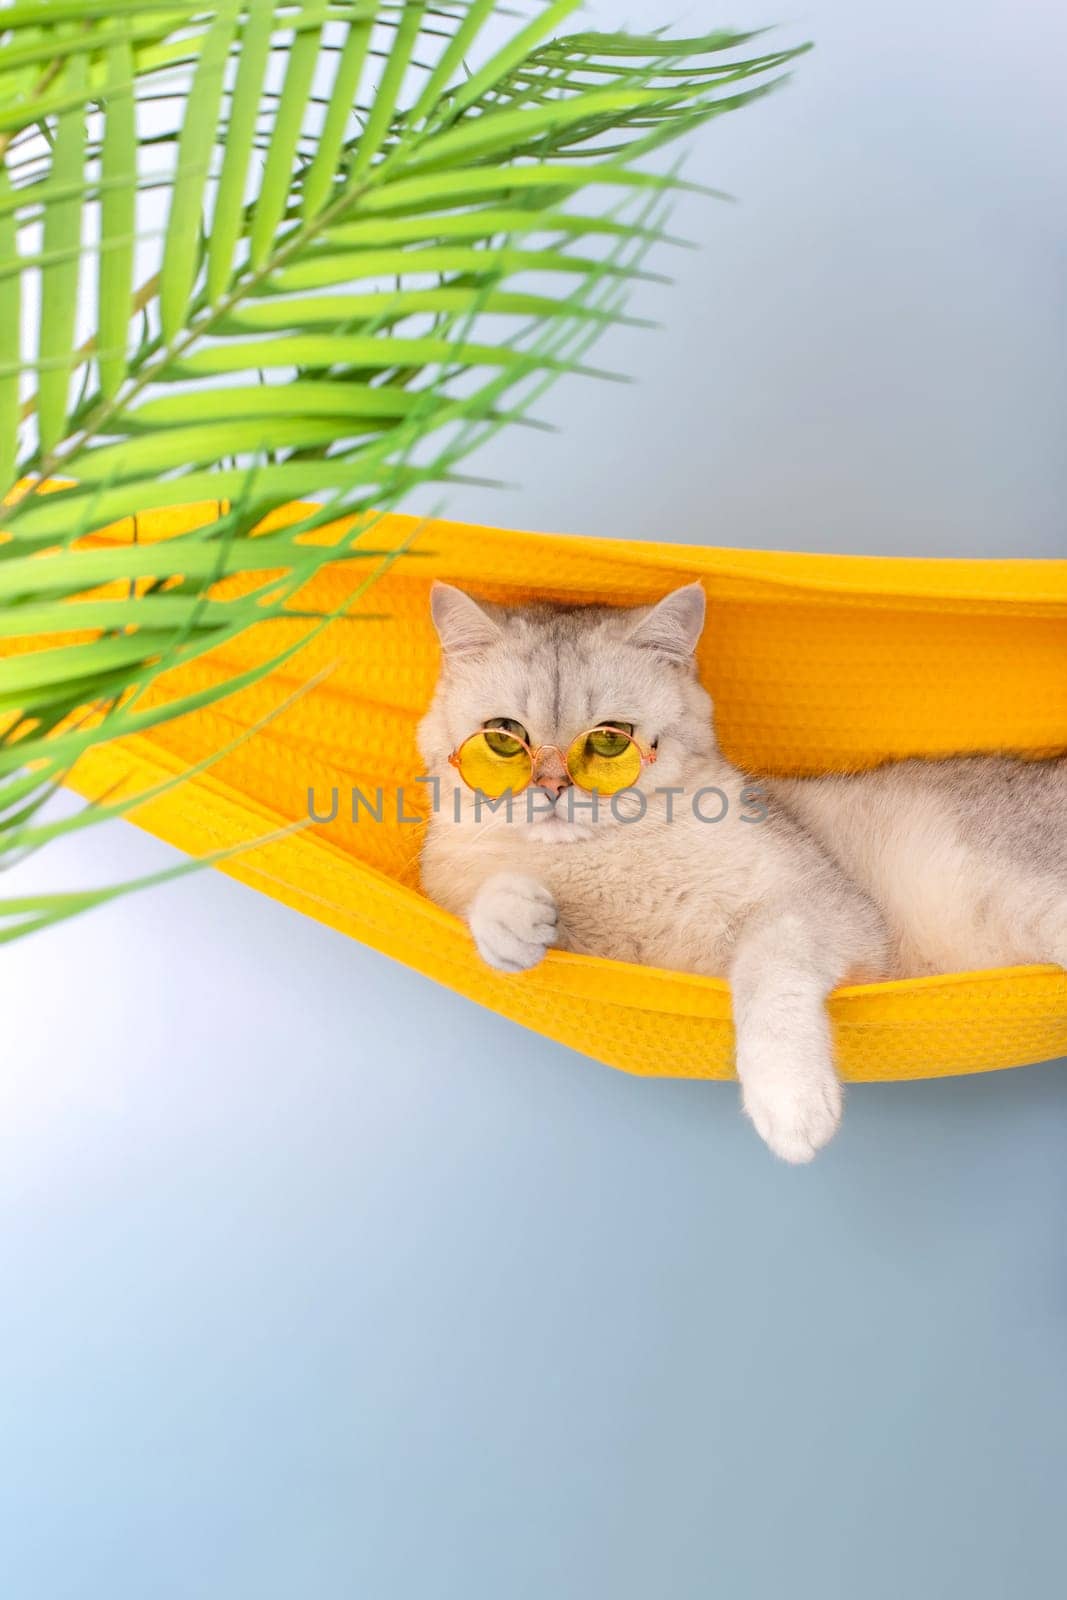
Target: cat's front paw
x,y
795,1106
514,920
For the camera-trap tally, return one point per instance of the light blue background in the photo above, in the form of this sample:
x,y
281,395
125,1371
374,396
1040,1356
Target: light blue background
x,y
318,1282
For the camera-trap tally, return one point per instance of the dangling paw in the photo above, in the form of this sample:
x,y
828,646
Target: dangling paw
x,y
794,1105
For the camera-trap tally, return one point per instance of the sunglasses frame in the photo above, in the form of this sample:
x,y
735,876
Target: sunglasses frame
x,y
648,757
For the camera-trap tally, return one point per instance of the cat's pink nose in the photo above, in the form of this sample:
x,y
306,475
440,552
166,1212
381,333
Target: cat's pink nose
x,y
550,774
553,786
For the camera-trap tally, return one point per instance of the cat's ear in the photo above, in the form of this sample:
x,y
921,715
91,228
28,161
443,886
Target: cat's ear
x,y
674,625
462,626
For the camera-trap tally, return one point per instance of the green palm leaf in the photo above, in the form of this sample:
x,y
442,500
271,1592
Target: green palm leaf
x,y
366,227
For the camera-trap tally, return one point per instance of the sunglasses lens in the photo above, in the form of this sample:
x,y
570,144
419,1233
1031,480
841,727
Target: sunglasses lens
x,y
494,764
604,761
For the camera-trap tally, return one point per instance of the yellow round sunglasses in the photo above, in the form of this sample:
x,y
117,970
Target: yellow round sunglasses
x,y
499,757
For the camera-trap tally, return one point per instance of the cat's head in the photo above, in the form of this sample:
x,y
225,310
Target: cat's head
x,y
546,674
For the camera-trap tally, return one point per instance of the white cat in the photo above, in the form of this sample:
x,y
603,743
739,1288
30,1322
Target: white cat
x,y
788,888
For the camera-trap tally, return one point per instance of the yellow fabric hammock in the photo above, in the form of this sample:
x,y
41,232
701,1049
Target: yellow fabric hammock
x,y
814,663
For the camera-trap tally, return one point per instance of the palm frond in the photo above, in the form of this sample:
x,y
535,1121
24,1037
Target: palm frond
x,y
284,250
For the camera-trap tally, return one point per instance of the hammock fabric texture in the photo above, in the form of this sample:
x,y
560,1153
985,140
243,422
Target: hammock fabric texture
x,y
815,663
